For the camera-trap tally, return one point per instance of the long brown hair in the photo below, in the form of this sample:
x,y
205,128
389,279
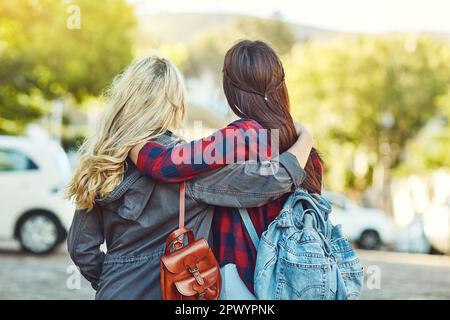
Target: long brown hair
x,y
253,82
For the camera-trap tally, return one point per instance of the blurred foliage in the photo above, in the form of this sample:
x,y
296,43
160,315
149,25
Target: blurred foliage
x,y
369,100
366,98
207,51
42,59
73,141
431,149
276,32
368,94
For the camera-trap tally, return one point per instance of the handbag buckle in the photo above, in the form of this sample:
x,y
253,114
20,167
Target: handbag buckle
x,y
194,271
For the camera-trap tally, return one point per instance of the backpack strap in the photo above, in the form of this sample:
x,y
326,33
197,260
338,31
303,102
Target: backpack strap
x,y
249,226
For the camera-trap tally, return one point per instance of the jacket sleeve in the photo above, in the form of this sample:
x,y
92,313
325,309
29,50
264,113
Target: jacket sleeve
x,y
246,185
241,140
83,243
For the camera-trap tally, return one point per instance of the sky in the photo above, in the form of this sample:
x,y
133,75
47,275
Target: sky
x,y
368,16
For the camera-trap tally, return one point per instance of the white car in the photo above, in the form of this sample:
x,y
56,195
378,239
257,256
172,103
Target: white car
x,y
368,227
33,174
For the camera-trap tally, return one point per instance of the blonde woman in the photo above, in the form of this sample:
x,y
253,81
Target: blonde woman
x,y
134,214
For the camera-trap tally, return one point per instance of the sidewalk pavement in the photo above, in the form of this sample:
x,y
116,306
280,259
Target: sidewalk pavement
x,y
399,276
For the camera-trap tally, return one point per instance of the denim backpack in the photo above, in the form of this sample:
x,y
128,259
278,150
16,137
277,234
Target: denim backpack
x,y
303,256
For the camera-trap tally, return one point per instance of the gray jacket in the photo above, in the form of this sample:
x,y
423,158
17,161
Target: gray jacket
x,y
135,219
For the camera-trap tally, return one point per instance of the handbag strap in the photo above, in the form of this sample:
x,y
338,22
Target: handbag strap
x,y
249,226
177,236
182,205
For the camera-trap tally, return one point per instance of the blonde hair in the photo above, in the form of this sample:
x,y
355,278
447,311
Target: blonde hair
x,y
143,102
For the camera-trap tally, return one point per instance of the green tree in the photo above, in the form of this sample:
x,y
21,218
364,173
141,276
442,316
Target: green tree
x,y
42,59
431,149
367,95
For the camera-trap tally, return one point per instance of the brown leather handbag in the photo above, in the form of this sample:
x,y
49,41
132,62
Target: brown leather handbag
x,y
189,270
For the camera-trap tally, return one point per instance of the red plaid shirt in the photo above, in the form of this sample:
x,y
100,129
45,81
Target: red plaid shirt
x,y
231,242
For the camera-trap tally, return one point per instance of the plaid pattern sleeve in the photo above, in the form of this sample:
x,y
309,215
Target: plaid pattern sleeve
x,y
241,140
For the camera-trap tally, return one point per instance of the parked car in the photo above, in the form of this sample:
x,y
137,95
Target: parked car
x,y
368,227
33,174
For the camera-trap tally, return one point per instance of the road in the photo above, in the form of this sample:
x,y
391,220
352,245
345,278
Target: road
x,y
388,276
406,276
